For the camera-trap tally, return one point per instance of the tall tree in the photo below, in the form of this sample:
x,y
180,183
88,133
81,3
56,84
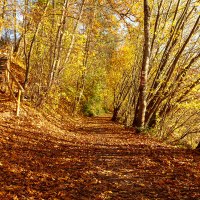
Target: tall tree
x,y
29,48
139,120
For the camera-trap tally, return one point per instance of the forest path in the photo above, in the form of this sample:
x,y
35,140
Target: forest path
x,y
95,159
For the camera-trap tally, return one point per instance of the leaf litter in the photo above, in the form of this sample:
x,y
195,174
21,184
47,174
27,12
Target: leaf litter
x,y
89,158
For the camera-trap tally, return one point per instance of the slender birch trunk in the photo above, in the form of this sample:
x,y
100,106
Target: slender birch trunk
x,y
73,38
58,46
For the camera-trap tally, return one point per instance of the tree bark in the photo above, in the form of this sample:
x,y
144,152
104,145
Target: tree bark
x,y
115,114
139,120
58,46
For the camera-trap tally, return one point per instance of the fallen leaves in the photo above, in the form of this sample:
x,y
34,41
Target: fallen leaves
x,y
95,160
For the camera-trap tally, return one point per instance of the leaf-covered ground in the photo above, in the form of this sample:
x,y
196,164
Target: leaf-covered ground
x,y
89,158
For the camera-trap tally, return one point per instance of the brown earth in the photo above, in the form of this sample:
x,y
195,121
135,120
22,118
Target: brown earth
x,y
92,158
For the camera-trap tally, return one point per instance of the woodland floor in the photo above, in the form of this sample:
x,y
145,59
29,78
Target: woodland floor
x,y
89,158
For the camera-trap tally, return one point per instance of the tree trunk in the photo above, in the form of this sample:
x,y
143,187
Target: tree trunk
x,y
73,37
139,120
29,52
58,46
115,114
2,17
15,23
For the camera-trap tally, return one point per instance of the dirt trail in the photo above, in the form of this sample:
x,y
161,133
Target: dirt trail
x,y
94,159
